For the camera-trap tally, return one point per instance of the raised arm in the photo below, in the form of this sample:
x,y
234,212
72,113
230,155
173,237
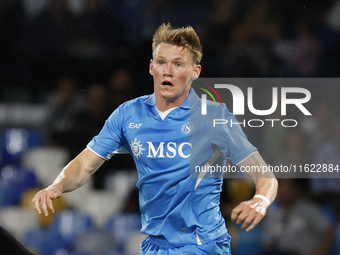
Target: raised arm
x,y
74,175
251,212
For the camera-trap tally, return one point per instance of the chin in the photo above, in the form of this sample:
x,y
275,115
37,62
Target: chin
x,y
169,96
169,99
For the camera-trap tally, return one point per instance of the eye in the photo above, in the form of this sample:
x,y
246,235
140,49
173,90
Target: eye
x,y
160,62
178,64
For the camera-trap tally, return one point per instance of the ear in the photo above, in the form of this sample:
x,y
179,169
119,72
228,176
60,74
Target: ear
x,y
197,71
151,67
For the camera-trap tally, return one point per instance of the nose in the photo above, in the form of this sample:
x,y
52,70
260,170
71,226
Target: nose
x,y
168,70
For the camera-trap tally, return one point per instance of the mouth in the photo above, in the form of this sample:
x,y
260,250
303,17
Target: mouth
x,y
167,84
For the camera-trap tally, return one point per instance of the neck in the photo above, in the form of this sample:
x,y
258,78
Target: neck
x,y
164,104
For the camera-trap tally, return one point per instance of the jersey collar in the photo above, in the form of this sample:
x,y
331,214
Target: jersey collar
x,y
189,102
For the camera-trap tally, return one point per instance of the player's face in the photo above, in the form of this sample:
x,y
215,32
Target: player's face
x,y
173,71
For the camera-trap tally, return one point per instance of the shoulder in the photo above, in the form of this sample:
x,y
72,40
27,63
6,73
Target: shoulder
x,y
218,110
128,108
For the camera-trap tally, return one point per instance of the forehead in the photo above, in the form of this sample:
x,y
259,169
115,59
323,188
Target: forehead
x,y
171,51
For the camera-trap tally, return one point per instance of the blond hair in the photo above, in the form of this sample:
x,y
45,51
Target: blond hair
x,y
184,36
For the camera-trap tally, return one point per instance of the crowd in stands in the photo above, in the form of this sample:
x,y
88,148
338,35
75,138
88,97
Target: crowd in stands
x,y
81,59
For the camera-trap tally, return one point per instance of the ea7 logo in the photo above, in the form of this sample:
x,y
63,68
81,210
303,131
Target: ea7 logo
x,y
134,125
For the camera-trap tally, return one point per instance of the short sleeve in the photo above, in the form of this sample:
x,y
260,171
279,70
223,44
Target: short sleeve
x,y
230,138
109,141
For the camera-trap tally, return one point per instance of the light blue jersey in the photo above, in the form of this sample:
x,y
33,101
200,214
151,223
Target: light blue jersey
x,y
176,204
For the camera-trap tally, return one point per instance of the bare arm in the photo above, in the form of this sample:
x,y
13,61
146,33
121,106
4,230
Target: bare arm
x,y
251,212
74,175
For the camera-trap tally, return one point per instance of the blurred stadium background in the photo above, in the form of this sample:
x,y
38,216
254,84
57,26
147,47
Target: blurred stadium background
x,y
65,65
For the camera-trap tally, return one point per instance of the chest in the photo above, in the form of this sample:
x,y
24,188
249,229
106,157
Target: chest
x,y
147,136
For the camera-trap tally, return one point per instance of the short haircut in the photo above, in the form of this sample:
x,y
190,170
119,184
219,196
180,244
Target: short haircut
x,y
184,36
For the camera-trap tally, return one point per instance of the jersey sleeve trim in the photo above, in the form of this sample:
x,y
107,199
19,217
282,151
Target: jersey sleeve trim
x,y
251,154
88,147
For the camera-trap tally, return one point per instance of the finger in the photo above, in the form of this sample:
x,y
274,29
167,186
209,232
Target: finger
x,y
246,218
43,204
245,224
235,213
243,215
247,221
234,216
257,220
253,225
240,218
35,202
50,204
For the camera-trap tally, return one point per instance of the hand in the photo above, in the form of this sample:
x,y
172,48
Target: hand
x,y
249,212
44,199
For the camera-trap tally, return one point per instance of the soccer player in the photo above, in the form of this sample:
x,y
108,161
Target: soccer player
x,y
167,137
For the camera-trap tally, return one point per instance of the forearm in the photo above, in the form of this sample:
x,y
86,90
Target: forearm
x,y
71,177
251,212
266,187
74,175
265,183
77,172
